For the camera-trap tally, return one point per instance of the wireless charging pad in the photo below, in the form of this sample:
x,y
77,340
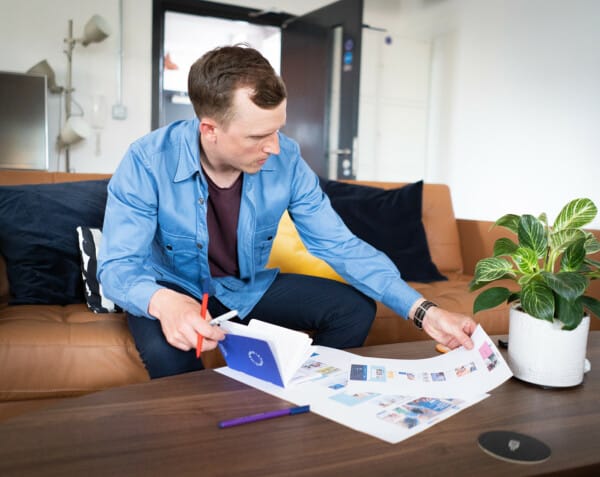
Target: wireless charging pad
x,y
514,447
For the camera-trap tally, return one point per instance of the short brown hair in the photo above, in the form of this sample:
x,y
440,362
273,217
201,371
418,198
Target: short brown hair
x,y
214,78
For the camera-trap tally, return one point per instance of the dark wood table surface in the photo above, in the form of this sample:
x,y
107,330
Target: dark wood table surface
x,y
168,427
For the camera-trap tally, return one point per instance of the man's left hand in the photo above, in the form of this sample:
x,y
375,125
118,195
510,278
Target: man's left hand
x,y
449,328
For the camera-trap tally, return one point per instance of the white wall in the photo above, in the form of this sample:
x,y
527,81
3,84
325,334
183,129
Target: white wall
x,y
32,30
525,117
513,101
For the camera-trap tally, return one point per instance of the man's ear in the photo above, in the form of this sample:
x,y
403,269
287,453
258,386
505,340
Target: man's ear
x,y
208,129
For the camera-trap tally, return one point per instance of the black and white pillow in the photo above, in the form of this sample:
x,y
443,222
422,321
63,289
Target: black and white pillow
x,y
89,243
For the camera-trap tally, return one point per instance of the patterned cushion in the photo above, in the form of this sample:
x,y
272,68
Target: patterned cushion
x,y
89,243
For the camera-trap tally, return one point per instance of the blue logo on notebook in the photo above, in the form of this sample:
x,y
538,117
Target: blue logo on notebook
x,y
255,358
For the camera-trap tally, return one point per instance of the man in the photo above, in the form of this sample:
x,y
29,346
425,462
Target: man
x,y
193,208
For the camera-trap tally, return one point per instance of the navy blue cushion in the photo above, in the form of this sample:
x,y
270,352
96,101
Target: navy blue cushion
x,y
390,220
38,238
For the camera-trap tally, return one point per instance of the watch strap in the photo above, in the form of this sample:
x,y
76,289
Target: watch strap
x,y
420,313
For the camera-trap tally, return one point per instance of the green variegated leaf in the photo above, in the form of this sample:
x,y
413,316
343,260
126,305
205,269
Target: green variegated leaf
x,y
509,221
575,214
526,260
568,285
592,244
489,269
532,235
569,312
560,240
537,300
533,262
490,298
504,246
591,304
525,279
574,256
543,218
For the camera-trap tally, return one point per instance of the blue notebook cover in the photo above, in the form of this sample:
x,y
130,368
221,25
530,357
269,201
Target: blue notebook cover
x,y
251,356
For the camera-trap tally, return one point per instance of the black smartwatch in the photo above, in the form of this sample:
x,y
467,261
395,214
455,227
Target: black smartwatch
x,y
420,313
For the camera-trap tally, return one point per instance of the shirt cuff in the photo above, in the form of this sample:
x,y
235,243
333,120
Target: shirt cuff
x,y
400,297
139,297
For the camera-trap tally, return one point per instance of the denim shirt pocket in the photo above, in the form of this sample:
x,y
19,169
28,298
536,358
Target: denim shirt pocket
x,y
181,255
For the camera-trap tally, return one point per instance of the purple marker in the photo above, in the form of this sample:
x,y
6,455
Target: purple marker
x,y
263,415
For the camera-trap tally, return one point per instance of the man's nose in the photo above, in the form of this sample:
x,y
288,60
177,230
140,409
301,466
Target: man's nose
x,y
271,145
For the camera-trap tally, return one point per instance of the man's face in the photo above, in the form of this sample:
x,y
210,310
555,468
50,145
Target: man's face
x,y
250,137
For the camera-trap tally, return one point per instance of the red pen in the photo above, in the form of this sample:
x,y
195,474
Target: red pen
x,y
203,316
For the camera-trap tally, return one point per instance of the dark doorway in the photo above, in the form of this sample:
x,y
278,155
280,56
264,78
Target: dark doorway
x,y
320,64
321,67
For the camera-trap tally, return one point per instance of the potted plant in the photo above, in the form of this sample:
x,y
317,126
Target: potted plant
x,y
548,324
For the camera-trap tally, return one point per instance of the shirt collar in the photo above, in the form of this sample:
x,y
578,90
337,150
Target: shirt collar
x,y
189,151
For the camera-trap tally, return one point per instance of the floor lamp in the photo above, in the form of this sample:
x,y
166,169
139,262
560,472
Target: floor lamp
x,y
75,128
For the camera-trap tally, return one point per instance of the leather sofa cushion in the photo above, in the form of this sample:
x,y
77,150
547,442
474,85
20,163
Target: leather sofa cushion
x,y
52,350
451,295
49,351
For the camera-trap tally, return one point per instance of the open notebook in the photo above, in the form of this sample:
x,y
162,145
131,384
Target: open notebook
x,y
268,352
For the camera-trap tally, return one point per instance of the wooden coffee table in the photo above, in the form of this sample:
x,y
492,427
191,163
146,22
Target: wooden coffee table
x,y
168,427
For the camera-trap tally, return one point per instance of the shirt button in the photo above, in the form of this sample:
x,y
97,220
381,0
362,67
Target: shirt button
x,y
199,245
201,201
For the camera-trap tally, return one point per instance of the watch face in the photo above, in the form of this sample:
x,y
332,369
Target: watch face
x,y
514,447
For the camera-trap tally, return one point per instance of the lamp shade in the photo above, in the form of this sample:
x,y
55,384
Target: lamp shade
x,y
75,129
95,30
43,68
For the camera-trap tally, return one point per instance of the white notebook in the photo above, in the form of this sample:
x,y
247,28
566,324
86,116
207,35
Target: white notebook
x,y
265,351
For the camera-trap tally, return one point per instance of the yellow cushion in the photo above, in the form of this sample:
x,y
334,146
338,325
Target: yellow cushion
x,y
290,255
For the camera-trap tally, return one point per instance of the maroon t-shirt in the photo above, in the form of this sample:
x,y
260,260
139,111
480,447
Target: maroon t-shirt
x,y
223,210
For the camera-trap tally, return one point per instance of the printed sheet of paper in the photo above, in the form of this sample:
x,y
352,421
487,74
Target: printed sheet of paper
x,y
322,383
460,372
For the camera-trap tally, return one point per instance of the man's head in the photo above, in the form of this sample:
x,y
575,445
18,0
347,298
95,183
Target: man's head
x,y
241,104
215,77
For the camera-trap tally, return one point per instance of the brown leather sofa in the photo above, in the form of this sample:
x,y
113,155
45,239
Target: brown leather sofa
x,y
49,352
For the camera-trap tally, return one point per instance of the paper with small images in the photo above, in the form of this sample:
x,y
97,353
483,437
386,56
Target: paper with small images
x,y
322,382
460,372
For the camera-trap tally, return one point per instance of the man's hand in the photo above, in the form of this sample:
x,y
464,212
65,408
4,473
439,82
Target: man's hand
x,y
180,320
449,328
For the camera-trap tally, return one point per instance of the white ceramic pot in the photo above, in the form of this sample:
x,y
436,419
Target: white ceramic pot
x,y
542,353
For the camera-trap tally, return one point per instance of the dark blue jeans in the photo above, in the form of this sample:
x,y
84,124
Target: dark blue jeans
x,y
338,315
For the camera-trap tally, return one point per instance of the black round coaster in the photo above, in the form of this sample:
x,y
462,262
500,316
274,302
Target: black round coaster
x,y
514,447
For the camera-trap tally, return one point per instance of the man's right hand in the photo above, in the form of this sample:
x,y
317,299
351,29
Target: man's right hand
x,y
180,320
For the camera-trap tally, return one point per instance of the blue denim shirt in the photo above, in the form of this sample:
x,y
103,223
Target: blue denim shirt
x,y
155,227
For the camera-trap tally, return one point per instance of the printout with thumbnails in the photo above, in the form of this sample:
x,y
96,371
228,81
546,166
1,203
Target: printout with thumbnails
x,y
390,399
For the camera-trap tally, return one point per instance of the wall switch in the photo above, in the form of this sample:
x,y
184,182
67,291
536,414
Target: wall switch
x,y
119,111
